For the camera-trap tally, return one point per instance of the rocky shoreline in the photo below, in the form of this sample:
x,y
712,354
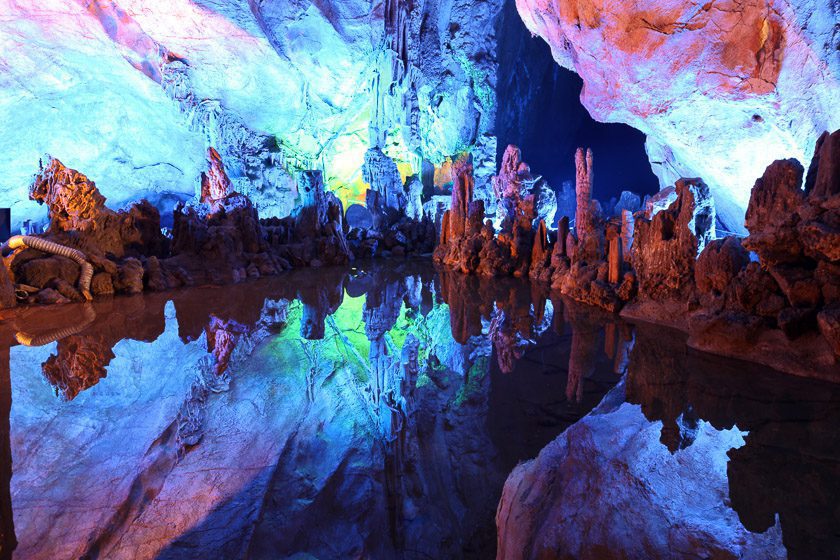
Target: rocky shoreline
x,y
772,297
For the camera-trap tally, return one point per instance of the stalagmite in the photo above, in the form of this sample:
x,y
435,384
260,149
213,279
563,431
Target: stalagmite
x,y
444,228
615,260
215,184
539,253
583,190
562,234
463,185
627,230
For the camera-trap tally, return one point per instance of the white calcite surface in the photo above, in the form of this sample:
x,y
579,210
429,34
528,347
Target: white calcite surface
x,y
721,88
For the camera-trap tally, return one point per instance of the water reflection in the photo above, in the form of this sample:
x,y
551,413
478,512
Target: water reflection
x,y
308,414
787,471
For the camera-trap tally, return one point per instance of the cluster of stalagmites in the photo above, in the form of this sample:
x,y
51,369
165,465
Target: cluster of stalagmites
x,y
89,250
746,298
588,265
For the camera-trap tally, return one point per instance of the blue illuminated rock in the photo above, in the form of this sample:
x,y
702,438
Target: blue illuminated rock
x,y
133,91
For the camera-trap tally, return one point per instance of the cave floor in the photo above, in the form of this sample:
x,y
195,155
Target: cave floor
x,y
376,412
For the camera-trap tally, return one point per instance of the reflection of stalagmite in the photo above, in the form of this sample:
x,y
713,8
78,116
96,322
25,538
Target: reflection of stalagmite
x,y
410,367
382,309
610,339
380,362
222,337
504,340
623,348
582,360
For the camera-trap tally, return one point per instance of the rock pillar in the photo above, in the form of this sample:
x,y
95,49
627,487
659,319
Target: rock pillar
x,y
215,184
615,259
463,186
562,234
627,229
583,191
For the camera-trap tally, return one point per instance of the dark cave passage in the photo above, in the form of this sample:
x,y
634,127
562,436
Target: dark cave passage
x,y
539,110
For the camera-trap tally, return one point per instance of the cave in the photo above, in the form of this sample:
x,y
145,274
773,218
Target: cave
x,y
403,279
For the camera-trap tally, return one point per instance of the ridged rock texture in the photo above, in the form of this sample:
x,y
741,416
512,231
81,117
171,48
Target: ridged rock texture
x,y
134,91
721,88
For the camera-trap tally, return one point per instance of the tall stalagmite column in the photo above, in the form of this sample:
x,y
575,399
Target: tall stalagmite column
x,y
463,185
628,227
614,259
562,234
583,190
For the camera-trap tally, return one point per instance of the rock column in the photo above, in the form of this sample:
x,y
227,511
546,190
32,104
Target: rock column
x,y
463,186
583,190
215,184
615,260
562,234
627,229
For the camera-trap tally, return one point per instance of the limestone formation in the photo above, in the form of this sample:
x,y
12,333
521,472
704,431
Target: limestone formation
x,y
777,311
414,195
628,230
215,184
666,247
77,212
386,197
676,70
583,192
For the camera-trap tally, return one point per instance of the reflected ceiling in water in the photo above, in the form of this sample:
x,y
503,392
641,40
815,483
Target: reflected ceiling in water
x,y
308,414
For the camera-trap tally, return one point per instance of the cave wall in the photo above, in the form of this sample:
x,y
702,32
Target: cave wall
x,y
132,92
721,89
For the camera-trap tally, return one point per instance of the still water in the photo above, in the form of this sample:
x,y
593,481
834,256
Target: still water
x,y
376,412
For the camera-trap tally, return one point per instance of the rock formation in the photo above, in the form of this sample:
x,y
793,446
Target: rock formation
x,y
710,450
780,310
677,70
386,198
164,73
665,249
218,238
664,265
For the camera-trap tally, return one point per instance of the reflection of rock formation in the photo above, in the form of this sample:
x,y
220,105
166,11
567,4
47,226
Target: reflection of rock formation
x,y
788,468
606,488
80,362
